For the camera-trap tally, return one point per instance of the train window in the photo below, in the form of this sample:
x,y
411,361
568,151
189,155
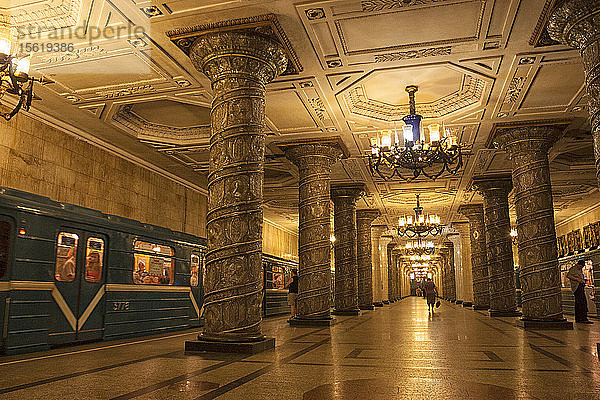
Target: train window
x,y
66,256
153,264
5,230
93,260
194,268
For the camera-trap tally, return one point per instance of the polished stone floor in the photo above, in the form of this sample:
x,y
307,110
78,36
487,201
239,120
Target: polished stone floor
x,y
395,352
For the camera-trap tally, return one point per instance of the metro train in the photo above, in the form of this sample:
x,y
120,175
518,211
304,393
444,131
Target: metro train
x,y
70,274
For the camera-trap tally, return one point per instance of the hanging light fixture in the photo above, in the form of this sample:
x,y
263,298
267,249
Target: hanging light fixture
x,y
432,157
14,73
420,225
419,247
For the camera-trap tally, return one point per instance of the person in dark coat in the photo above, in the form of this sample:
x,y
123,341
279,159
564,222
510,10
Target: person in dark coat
x,y
430,294
577,279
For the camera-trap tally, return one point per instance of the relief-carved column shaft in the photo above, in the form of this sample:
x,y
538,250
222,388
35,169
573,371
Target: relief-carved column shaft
x,y
314,162
458,272
390,269
442,267
503,297
344,198
364,218
576,23
376,232
239,65
528,148
479,262
465,255
451,272
384,242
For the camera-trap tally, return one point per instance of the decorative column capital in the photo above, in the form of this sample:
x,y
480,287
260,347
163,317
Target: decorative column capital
x,y
385,240
472,211
523,139
493,185
454,238
238,53
304,155
377,230
347,192
367,214
576,23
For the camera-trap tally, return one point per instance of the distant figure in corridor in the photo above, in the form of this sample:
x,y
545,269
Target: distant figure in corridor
x,y
577,279
431,294
293,293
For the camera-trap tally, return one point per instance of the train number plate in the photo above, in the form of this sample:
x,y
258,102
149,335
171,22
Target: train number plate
x,y
120,306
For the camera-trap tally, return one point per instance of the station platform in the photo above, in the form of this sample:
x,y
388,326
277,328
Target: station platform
x,y
395,352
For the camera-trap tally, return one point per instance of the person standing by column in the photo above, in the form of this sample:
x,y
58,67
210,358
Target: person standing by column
x,y
577,279
293,293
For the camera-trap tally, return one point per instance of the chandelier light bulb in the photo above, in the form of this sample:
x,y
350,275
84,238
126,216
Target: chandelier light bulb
x,y
407,132
23,65
386,140
434,133
5,45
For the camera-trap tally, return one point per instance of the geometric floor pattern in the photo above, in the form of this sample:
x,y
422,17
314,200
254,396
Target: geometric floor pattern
x,y
395,352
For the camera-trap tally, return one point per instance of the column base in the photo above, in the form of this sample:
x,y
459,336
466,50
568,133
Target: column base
x,y
535,325
201,346
385,301
459,301
367,307
476,307
353,313
498,313
467,304
378,304
310,322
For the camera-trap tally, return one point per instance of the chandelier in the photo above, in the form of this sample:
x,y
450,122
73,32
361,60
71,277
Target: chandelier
x,y
420,225
422,257
431,158
419,247
14,74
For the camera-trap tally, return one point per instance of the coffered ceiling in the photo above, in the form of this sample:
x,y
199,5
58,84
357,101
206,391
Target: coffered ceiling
x,y
477,63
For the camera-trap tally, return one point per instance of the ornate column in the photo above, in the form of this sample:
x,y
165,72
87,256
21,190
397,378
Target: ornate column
x,y
344,198
364,218
479,263
384,242
444,285
458,282
528,147
495,190
390,271
465,254
376,232
239,65
451,272
314,161
576,23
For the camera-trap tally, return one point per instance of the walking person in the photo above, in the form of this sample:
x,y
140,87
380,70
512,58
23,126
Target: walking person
x,y
577,279
293,293
431,294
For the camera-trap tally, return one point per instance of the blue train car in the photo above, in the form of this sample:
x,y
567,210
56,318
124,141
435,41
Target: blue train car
x,y
70,274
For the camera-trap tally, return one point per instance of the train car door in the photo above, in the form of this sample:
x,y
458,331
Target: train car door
x,y
79,279
6,229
